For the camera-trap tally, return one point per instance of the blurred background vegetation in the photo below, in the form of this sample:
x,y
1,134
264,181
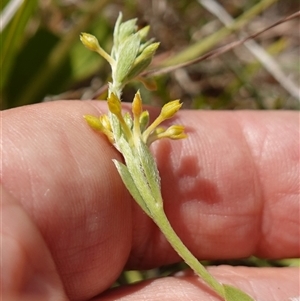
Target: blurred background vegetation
x,y
42,59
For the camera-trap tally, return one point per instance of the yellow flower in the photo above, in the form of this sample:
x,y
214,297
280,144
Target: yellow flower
x,y
100,124
114,105
137,105
134,128
170,109
167,111
91,42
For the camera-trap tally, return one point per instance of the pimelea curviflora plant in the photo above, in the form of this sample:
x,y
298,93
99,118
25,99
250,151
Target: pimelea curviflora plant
x,y
132,135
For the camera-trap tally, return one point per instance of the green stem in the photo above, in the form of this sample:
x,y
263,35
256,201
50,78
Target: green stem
x,y
160,218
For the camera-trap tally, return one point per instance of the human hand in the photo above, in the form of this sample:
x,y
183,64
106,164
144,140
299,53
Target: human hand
x,y
69,225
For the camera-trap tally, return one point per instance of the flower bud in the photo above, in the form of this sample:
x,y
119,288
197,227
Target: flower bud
x,y
105,122
114,105
175,132
143,32
142,61
96,124
170,109
144,120
149,51
93,122
89,41
137,105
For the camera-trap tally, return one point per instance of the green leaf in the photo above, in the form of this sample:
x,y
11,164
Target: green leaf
x,y
234,294
13,36
127,54
138,68
130,185
135,168
150,170
142,61
121,32
116,127
126,29
116,33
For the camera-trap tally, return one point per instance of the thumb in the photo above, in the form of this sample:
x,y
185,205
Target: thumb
x,y
28,270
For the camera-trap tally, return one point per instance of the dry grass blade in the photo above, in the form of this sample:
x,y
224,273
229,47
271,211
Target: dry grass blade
x,y
217,52
260,54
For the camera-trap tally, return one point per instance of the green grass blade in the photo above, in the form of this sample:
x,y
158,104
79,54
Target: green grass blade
x,y
12,38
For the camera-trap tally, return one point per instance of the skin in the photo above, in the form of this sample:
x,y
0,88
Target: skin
x,y
69,227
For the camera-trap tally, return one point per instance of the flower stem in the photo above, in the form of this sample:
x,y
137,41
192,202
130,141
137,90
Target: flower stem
x,y
161,220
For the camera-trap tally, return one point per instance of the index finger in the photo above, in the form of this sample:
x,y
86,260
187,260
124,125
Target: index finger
x,y
230,189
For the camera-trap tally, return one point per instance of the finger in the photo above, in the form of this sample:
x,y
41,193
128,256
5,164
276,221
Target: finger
x,y
62,173
260,283
231,189
27,268
213,185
